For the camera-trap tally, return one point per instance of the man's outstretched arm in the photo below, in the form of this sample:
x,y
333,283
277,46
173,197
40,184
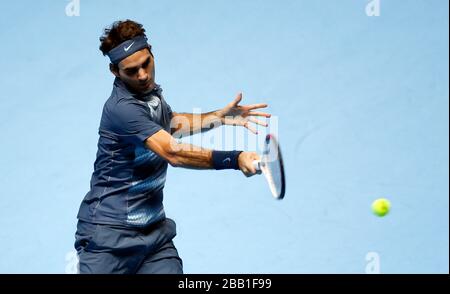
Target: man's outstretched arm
x,y
190,156
185,124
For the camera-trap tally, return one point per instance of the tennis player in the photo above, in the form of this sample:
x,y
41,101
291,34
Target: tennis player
x,y
122,227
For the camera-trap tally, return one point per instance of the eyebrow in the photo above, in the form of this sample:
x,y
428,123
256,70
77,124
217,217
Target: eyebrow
x,y
137,66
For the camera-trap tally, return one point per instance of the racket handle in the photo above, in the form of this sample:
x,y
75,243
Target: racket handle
x,y
257,165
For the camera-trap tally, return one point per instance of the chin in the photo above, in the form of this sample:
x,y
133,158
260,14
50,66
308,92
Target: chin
x,y
148,89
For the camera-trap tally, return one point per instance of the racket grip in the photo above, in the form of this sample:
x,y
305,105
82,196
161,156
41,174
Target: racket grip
x,y
257,165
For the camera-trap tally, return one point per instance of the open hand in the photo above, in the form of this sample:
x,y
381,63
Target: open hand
x,y
241,115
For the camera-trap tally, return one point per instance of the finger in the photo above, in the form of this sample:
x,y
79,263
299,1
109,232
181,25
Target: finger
x,y
255,156
235,121
252,169
250,128
245,172
258,122
243,123
254,106
256,113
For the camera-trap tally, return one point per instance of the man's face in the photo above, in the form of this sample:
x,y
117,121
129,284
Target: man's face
x,y
137,71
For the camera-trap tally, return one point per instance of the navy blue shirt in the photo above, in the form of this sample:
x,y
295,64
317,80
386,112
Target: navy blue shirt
x,y
128,179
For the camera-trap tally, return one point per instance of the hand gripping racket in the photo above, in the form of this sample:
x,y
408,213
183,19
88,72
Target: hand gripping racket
x,y
271,165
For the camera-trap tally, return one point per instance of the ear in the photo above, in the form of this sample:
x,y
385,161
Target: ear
x,y
114,69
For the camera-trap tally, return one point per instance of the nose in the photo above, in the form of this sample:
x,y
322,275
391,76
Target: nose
x,y
142,75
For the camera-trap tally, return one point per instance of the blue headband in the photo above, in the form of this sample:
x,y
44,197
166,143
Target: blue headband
x,y
127,48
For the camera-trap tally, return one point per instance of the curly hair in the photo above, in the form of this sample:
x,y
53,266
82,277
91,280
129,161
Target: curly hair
x,y
119,32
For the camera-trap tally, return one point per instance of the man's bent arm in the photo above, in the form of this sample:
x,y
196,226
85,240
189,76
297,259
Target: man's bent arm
x,y
190,156
179,154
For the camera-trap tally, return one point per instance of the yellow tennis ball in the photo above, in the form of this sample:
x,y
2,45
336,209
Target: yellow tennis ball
x,y
381,207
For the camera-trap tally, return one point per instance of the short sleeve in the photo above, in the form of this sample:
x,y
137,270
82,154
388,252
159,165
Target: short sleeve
x,y
133,122
169,111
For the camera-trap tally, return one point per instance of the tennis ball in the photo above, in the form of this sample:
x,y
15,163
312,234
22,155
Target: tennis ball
x,y
380,207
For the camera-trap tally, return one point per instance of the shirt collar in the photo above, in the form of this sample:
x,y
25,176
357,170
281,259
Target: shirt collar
x,y
157,91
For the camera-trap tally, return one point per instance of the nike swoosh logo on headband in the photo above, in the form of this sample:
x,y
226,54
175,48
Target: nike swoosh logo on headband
x,y
128,48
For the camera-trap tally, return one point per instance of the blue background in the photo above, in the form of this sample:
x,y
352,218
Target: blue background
x,y
362,108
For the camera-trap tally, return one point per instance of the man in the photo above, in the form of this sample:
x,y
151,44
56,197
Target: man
x,y
122,227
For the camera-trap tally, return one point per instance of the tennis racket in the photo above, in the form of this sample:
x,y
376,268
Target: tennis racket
x,y
271,165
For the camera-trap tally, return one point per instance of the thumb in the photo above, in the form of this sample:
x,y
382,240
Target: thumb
x,y
236,100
